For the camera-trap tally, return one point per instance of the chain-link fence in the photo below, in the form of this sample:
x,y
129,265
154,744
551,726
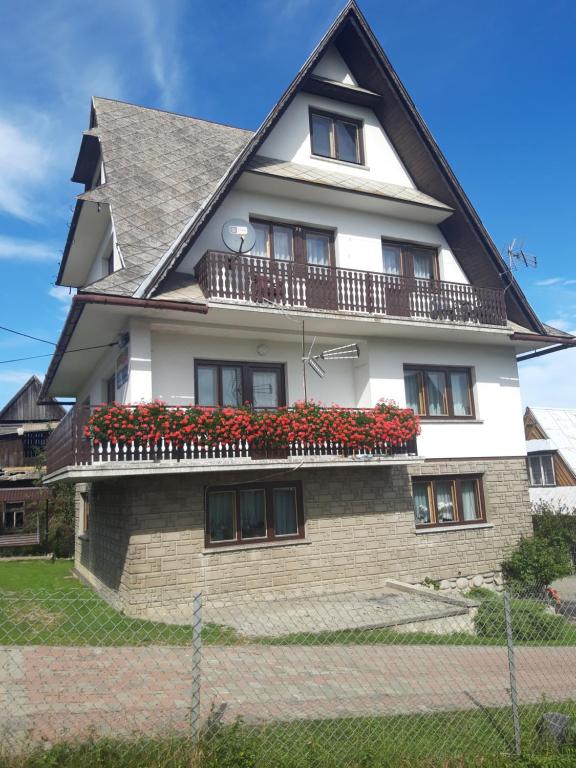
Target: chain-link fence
x,y
391,676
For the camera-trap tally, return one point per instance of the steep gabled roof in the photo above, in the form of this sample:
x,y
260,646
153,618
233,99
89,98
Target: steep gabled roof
x,y
24,405
160,167
417,149
166,174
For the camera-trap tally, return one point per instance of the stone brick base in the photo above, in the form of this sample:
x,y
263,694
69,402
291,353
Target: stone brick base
x,y
145,547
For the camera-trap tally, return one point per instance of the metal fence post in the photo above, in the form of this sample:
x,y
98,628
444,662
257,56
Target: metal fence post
x,y
196,666
512,671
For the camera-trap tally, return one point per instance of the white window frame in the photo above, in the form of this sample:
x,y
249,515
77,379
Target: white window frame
x,y
538,457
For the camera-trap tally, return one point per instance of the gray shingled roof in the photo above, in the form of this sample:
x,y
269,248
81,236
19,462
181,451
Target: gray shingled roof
x,y
160,168
312,175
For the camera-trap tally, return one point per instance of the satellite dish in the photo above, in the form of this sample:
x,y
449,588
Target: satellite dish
x,y
238,235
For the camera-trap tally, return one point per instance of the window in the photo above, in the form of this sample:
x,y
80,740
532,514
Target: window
x,y
84,521
232,384
13,517
404,260
448,501
294,243
542,469
435,392
337,137
252,513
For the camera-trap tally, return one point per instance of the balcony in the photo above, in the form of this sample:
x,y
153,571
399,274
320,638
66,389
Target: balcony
x,y
308,287
73,454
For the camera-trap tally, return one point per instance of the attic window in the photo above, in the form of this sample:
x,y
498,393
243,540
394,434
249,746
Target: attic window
x,y
336,137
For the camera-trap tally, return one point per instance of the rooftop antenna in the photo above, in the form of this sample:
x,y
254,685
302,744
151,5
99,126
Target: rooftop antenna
x,y
517,258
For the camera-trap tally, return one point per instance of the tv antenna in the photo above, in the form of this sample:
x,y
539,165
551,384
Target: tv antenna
x,y
238,235
517,258
345,352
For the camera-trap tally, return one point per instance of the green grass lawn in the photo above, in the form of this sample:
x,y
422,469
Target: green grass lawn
x,y
42,603
471,739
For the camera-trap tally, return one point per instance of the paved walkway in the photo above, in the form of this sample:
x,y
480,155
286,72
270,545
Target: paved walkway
x,y
47,693
384,607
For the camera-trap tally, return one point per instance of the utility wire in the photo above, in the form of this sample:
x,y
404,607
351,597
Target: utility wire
x,y
26,335
67,352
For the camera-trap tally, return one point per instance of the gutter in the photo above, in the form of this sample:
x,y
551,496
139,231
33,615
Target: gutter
x,y
558,344
80,301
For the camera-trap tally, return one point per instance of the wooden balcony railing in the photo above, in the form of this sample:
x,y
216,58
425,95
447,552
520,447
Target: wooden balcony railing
x,y
306,286
69,447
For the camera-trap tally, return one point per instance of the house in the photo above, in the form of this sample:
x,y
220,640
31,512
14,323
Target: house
x,y
551,449
24,429
211,263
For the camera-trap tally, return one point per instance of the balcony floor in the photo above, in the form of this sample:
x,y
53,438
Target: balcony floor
x,y
111,469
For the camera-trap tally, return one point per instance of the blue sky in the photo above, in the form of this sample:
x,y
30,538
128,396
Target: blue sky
x,y
493,80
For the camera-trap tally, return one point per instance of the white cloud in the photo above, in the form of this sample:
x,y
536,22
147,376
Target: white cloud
x,y
548,381
554,281
25,163
560,323
160,28
61,293
17,249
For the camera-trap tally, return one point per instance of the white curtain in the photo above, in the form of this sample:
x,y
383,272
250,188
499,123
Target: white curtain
x,y
265,389
283,243
285,518
317,250
391,260
421,503
469,510
423,265
412,387
261,245
436,391
231,387
253,514
460,394
444,502
207,385
221,516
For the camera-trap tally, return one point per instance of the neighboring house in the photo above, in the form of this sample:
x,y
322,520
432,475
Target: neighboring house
x,y
551,448
363,232
24,429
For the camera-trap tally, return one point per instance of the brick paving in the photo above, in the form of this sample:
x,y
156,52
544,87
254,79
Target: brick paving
x,y
49,693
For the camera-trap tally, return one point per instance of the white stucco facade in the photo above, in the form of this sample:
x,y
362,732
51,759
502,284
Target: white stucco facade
x,y
358,235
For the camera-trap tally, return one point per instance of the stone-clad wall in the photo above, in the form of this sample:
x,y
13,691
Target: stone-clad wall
x,y
147,535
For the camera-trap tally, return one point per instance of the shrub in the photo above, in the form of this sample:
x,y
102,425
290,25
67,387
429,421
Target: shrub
x,y
555,525
536,562
530,621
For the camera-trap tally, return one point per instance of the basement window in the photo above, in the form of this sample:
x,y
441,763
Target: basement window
x,y
254,513
445,501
